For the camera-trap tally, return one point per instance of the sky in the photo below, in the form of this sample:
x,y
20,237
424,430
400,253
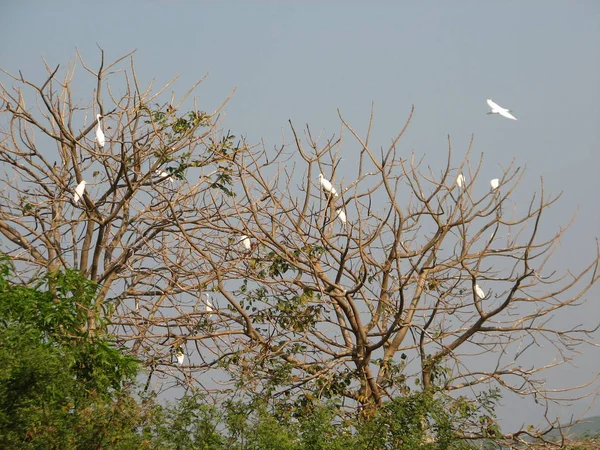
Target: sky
x,y
302,61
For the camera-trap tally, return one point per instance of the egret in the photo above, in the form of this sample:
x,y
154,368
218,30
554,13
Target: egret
x,y
341,215
164,175
327,186
208,306
180,355
100,139
495,183
245,240
79,190
460,180
497,109
479,291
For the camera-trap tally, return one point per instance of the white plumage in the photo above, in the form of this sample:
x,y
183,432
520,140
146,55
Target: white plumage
x,y
327,186
479,291
79,190
497,109
341,215
180,356
495,183
164,175
208,306
100,139
460,180
245,240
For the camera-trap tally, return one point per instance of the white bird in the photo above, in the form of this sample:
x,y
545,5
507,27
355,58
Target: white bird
x,y
341,215
245,240
460,180
79,190
164,175
208,306
479,291
495,183
100,139
180,355
497,109
327,186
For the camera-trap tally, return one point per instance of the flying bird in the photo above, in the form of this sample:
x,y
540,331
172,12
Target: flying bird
x,y
497,109
460,180
479,291
79,190
341,215
100,139
245,240
327,186
495,183
180,355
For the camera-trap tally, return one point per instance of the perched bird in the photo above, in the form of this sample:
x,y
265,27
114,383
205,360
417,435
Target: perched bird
x,y
179,355
479,291
245,240
460,180
100,139
341,215
208,306
497,109
327,186
495,183
79,190
164,175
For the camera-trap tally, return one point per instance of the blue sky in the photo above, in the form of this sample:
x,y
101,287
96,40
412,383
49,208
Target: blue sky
x,y
303,60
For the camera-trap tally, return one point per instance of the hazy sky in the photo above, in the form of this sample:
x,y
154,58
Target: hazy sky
x,y
303,60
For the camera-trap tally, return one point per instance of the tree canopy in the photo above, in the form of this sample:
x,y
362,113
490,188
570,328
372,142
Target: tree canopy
x,y
411,281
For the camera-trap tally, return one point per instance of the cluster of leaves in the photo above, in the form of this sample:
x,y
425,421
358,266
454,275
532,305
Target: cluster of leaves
x,y
59,386
219,151
177,126
315,426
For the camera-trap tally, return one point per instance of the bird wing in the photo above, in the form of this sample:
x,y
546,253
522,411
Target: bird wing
x,y
460,180
79,190
505,113
100,136
245,240
492,104
479,291
326,184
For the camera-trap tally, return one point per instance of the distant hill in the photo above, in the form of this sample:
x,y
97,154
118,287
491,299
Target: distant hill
x,y
579,435
588,427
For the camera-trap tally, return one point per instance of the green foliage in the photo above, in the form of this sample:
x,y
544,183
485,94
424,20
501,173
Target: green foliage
x,y
321,429
175,129
189,424
417,421
60,387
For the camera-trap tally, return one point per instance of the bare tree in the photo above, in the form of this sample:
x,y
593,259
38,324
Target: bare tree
x,y
123,233
409,278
